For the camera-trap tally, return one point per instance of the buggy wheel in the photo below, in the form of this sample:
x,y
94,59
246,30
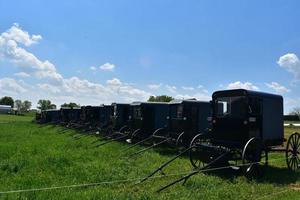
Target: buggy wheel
x,y
195,151
136,136
292,152
123,129
180,142
251,156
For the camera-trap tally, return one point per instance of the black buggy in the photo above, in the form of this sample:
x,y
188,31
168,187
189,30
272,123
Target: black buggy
x,y
104,122
146,119
89,117
244,130
118,121
51,116
186,119
70,115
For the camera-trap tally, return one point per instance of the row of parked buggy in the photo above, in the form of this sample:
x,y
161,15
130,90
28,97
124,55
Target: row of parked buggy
x,y
236,126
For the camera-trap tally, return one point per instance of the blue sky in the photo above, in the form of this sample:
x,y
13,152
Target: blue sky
x,y
180,48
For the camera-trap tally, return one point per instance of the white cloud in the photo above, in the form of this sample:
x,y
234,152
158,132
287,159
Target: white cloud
x,y
11,86
291,63
93,68
22,74
277,87
171,89
107,67
241,85
114,82
154,86
29,63
55,87
48,87
16,34
187,88
198,96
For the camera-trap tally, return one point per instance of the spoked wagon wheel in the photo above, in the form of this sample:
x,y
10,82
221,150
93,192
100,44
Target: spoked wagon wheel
x,y
181,142
136,136
292,152
251,157
196,152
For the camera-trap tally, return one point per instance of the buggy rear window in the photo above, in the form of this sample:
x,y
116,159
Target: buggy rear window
x,y
176,111
137,113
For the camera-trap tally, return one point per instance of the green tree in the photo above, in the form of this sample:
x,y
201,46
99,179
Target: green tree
x,y
70,105
7,101
160,98
18,105
44,104
27,105
296,111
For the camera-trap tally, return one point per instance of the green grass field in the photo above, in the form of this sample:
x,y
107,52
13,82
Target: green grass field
x,y
43,156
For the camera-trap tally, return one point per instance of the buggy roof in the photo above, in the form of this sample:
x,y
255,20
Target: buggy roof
x,y
69,108
243,92
181,101
125,104
148,103
51,110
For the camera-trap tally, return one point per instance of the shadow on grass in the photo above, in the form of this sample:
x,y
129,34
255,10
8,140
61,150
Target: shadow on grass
x,y
270,174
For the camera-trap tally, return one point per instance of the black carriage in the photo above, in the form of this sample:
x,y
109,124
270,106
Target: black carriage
x,y
244,130
88,118
248,125
119,118
187,118
70,115
95,118
51,116
147,118
104,122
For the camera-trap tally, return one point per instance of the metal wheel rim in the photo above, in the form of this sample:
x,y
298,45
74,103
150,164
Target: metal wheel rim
x,y
292,152
196,162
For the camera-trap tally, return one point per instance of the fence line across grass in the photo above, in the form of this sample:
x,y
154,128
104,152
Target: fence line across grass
x,y
128,180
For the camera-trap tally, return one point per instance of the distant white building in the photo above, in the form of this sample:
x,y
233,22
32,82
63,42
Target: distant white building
x,y
5,109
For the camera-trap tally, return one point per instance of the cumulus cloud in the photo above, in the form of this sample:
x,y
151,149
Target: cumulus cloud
x,y
84,91
11,86
107,67
126,90
16,34
22,74
11,51
53,85
114,82
154,86
277,87
187,88
93,68
198,96
171,89
241,85
48,87
291,63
